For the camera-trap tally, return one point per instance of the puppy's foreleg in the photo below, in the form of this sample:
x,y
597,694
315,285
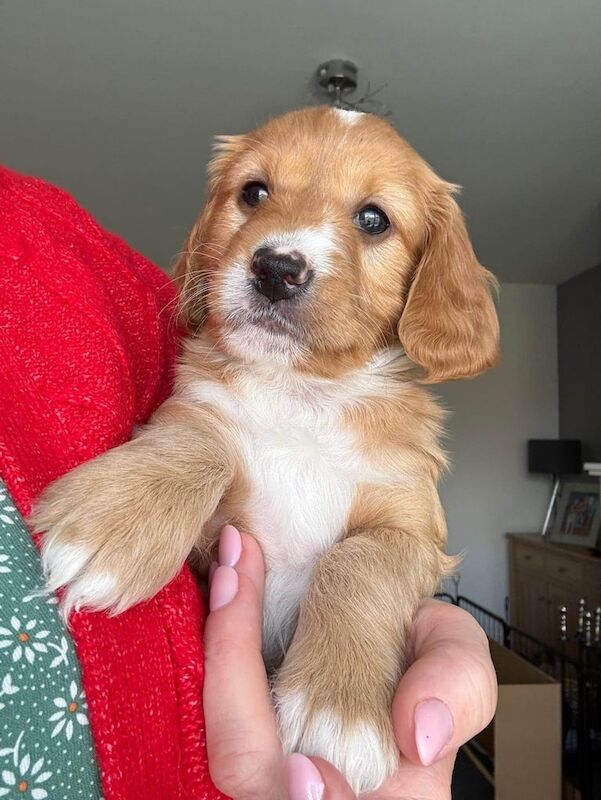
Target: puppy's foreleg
x,y
335,687
120,526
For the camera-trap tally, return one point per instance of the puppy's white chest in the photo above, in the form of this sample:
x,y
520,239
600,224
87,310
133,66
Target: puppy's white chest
x,y
303,466
302,475
303,470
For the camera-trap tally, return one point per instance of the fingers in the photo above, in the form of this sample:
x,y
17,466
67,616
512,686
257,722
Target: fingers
x,y
447,695
449,692
245,754
415,782
314,779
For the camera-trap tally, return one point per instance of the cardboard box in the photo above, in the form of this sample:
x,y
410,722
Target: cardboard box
x,y
524,739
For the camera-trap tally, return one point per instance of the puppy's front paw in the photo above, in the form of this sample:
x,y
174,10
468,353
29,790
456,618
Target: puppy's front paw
x,y
105,540
68,563
364,750
89,569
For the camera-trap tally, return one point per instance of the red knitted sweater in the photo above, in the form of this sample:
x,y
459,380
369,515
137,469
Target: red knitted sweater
x,y
87,347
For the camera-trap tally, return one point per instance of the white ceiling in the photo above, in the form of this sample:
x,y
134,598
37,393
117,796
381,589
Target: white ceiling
x,y
117,101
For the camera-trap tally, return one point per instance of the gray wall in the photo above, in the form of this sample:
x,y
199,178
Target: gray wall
x,y
579,345
489,490
117,101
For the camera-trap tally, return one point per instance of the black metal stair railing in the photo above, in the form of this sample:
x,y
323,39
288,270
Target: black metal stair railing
x,y
576,664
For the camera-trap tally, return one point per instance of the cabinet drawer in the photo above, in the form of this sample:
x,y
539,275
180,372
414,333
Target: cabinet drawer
x,y
564,569
593,584
529,558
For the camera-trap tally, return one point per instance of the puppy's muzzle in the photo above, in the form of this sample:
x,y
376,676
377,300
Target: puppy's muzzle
x,y
279,276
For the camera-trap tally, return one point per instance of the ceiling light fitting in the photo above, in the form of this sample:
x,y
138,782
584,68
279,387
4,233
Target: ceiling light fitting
x,y
338,79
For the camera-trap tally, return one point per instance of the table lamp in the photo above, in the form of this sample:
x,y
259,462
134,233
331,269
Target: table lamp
x,y
555,457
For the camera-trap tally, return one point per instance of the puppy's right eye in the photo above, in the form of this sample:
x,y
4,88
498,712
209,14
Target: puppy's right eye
x,y
254,193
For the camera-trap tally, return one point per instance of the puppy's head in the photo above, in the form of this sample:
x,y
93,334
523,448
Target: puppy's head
x,y
324,239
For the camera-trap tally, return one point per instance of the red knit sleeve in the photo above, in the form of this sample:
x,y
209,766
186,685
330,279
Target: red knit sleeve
x,y
87,347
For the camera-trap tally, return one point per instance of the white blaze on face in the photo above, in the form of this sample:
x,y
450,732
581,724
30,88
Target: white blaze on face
x,y
316,244
250,338
349,116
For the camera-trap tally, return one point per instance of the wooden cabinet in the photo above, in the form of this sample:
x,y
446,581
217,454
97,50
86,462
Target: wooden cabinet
x,y
531,605
544,576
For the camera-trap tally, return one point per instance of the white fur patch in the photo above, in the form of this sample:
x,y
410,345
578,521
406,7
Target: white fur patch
x,y
303,466
93,591
348,115
69,565
357,751
249,341
316,244
252,343
61,563
257,334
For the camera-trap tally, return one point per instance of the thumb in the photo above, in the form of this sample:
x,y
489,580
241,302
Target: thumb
x,y
245,754
314,779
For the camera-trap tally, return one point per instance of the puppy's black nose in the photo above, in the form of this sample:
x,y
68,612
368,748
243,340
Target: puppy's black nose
x,y
279,276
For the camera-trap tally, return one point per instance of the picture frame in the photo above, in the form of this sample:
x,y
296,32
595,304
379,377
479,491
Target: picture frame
x,y
578,516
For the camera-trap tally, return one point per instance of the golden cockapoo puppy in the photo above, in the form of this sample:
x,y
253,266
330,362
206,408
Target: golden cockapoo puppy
x,y
329,275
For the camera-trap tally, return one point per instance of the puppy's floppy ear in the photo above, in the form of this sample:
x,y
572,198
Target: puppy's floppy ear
x,y
187,275
187,271
225,151
449,324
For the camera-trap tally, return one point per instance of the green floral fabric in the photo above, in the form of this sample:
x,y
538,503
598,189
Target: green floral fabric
x,y
46,748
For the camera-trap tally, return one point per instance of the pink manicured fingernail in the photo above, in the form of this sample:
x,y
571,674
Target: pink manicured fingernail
x,y
303,780
223,587
212,567
230,546
433,729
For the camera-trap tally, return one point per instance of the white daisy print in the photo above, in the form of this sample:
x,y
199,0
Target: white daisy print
x,y
24,639
7,688
62,651
25,778
71,710
38,663
42,594
5,508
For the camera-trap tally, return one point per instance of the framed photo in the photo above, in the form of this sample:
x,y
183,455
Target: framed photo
x,y
578,515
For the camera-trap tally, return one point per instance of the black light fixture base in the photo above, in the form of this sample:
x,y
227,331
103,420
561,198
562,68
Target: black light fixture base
x,y
338,76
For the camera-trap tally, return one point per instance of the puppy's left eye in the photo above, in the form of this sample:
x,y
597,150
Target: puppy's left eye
x,y
254,192
372,220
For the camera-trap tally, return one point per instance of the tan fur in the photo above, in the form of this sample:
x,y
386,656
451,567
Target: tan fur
x,y
144,506
349,650
449,325
138,508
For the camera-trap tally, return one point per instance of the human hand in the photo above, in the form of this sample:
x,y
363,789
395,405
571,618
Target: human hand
x,y
447,695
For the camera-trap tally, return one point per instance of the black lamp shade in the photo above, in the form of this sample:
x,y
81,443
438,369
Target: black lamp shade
x,y
555,456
